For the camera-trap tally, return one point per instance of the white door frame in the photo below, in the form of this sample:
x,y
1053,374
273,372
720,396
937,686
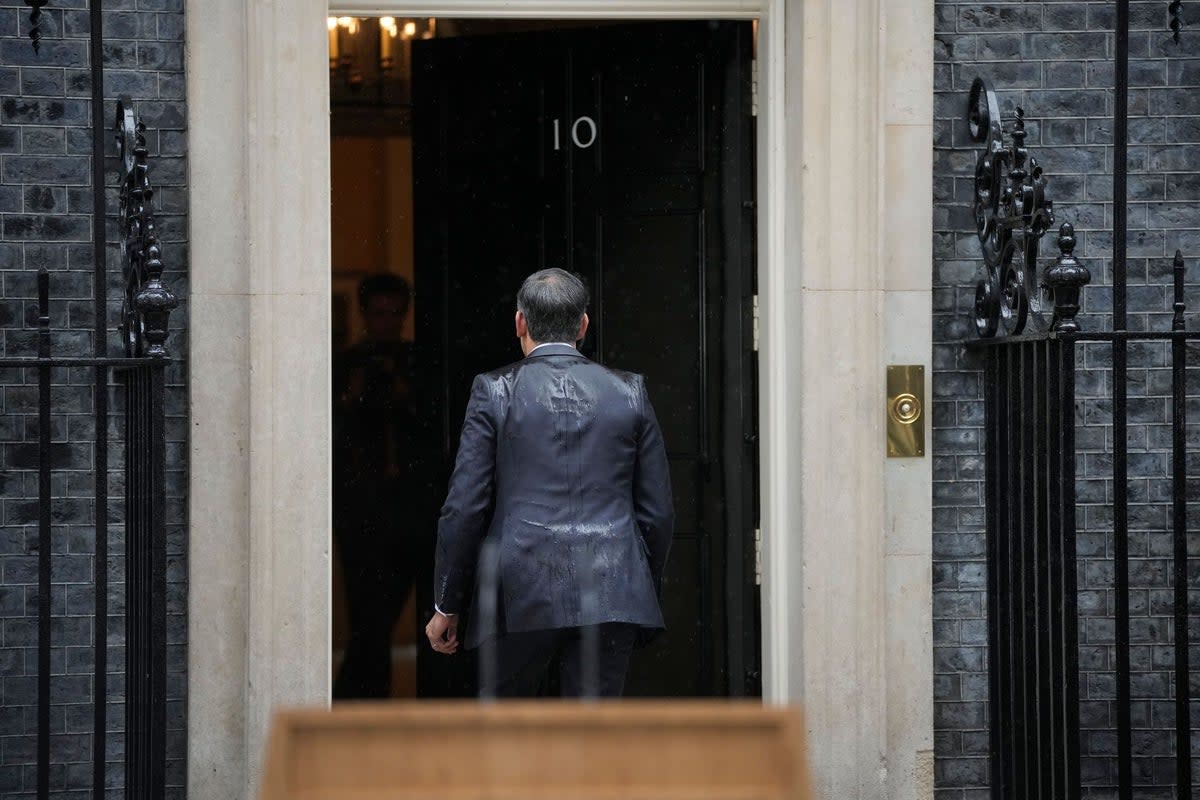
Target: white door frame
x,y
771,163
771,167
844,157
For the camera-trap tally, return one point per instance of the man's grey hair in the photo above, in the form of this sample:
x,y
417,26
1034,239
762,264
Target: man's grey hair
x,y
553,302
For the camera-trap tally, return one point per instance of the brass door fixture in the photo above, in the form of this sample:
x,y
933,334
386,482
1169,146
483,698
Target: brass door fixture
x,y
905,411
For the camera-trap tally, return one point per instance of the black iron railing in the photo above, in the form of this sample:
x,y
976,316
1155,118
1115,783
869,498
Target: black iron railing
x,y
139,372
1031,374
1032,616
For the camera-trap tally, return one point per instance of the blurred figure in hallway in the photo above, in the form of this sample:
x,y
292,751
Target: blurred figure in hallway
x,y
375,431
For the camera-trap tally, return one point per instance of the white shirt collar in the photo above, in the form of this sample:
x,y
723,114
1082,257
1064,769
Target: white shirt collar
x,y
549,344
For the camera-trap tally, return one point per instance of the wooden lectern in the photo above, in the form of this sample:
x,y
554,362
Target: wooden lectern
x,y
627,750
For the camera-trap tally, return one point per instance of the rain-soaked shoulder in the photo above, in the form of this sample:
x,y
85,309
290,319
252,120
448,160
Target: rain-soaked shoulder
x,y
630,378
628,384
499,381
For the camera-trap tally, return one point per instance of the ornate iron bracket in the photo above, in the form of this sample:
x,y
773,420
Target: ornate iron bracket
x,y
1176,11
1011,216
147,304
35,16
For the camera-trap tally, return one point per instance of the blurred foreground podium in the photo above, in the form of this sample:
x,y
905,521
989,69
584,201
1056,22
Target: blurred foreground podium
x,y
628,750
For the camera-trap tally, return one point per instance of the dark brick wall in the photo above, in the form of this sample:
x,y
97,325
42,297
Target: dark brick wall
x,y
1055,60
45,206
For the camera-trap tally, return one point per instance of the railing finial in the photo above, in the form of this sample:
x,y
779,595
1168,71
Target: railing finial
x,y
1065,279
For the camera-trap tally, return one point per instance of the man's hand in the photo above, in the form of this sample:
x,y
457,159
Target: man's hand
x,y
442,631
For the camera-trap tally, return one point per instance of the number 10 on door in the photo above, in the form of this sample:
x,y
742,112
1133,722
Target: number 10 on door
x,y
583,133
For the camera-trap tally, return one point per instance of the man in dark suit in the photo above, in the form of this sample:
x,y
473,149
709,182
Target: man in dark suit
x,y
559,516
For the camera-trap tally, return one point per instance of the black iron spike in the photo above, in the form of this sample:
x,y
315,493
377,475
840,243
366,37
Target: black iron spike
x,y
35,16
1177,323
1020,153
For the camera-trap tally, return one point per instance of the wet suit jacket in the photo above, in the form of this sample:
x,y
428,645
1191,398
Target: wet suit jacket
x,y
560,500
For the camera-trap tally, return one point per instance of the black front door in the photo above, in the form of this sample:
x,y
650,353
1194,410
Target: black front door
x,y
624,154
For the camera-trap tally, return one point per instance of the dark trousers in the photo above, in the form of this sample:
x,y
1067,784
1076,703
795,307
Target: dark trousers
x,y
522,660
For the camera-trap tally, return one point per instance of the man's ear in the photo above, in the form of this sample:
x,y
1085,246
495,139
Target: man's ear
x,y
521,325
583,326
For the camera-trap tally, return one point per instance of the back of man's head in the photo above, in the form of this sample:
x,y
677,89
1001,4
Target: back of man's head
x,y
553,302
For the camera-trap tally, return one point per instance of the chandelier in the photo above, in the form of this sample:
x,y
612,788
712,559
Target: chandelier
x,y
370,58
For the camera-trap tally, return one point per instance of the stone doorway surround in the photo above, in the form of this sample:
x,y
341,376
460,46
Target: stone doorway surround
x,y
845,252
